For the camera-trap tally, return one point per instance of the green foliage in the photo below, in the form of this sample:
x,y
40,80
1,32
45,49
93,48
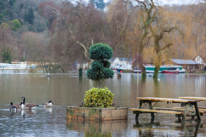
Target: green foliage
x,y
108,73
106,63
100,67
96,65
98,97
6,55
100,52
8,13
11,2
5,26
2,6
29,16
1,17
15,24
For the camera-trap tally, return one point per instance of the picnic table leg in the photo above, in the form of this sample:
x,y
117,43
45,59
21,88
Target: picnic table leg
x,y
137,116
137,113
197,128
197,111
140,104
152,114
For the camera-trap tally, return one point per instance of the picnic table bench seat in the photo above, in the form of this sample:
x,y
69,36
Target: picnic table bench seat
x,y
156,111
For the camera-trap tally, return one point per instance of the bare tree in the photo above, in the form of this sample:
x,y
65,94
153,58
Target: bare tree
x,y
158,27
81,24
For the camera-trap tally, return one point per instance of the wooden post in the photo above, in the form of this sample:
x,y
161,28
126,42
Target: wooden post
x,y
80,72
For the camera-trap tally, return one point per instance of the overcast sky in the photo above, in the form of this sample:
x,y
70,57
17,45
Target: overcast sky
x,y
170,2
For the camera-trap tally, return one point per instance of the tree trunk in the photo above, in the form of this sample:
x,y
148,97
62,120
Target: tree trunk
x,y
156,72
158,58
157,66
143,71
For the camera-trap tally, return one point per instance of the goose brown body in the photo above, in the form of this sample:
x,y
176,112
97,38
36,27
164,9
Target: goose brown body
x,y
27,106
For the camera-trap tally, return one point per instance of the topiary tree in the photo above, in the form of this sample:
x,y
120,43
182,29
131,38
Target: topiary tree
x,y
100,67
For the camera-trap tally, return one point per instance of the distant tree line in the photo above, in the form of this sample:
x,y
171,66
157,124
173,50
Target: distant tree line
x,y
63,31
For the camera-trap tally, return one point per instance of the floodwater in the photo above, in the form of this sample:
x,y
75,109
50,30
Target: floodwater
x,y
68,90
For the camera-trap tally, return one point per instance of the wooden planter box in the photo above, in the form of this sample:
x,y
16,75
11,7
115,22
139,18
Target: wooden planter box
x,y
96,114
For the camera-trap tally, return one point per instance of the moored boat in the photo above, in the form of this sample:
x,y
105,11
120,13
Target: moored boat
x,y
151,69
171,70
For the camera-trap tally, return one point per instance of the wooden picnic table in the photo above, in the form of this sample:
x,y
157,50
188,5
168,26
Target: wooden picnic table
x,y
190,107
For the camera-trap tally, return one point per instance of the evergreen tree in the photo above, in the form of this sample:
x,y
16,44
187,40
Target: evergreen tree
x,y
29,17
6,55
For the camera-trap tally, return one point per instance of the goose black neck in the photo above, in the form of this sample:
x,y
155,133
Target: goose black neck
x,y
24,101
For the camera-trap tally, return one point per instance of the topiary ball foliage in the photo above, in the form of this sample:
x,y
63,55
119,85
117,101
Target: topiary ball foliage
x,y
96,65
93,75
106,64
98,97
100,52
108,73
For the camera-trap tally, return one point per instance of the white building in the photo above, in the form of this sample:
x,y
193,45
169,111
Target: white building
x,y
121,63
198,59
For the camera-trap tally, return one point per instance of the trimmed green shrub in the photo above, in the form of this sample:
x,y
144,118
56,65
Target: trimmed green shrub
x,y
98,97
100,67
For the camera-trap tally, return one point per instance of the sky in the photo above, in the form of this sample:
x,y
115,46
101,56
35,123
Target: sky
x,y
170,2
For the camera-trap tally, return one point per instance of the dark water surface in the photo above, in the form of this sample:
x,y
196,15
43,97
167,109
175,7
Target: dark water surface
x,y
68,90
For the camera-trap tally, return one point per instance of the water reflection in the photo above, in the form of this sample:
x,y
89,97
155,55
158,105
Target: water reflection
x,y
28,113
189,128
48,109
97,129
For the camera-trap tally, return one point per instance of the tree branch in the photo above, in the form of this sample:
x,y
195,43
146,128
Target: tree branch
x,y
168,45
86,54
148,39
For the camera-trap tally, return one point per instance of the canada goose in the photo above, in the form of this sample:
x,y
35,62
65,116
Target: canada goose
x,y
48,104
27,105
18,106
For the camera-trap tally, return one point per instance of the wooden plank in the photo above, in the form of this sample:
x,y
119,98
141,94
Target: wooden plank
x,y
194,98
156,111
202,107
181,108
172,100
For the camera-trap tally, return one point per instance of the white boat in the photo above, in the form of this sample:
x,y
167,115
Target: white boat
x,y
136,71
151,69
